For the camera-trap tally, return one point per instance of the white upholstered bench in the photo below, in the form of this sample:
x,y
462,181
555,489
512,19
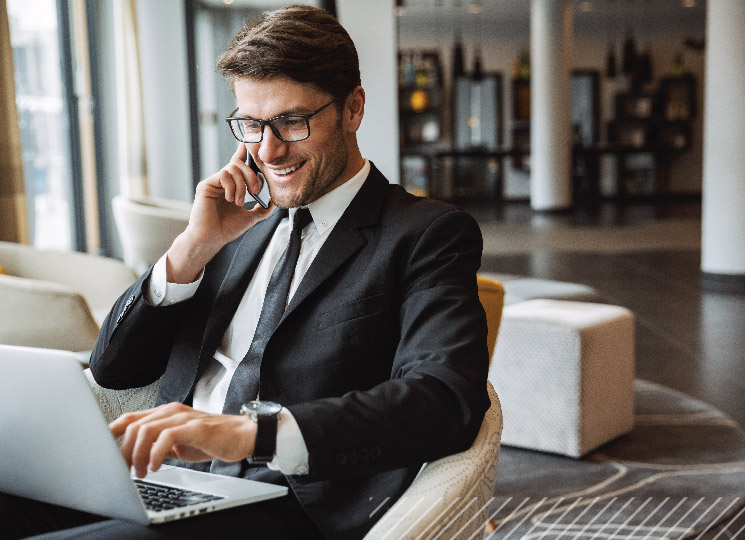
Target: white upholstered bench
x,y
564,373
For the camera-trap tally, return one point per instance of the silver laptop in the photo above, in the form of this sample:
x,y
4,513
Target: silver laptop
x,y
56,447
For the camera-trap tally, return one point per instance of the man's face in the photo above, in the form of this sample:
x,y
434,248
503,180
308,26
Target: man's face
x,y
297,172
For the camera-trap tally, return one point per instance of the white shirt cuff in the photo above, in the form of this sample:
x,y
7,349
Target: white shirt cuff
x,y
160,292
291,456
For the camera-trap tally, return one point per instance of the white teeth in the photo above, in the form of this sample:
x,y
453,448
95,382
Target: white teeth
x,y
288,170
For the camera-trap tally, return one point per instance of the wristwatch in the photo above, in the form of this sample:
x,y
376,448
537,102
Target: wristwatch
x,y
266,416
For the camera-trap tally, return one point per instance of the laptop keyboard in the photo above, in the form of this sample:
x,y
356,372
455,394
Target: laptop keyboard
x,y
158,497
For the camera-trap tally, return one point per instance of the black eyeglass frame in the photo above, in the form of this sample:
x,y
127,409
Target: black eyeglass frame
x,y
269,123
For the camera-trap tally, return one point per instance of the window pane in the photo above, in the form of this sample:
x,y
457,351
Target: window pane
x,y
43,121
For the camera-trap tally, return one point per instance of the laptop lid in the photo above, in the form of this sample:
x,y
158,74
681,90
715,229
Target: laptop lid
x,y
56,446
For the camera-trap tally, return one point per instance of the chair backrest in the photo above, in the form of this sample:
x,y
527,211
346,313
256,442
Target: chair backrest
x,y
147,227
101,280
56,299
491,294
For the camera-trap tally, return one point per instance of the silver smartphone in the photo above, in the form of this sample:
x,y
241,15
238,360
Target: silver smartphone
x,y
262,197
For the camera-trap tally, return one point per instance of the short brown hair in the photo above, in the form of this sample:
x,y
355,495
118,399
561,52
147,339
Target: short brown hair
x,y
304,43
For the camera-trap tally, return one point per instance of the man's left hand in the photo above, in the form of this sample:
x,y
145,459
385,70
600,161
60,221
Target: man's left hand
x,y
178,431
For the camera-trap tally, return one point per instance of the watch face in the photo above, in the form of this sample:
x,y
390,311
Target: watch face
x,y
261,408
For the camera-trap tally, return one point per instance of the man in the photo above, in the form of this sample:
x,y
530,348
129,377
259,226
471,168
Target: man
x,y
379,359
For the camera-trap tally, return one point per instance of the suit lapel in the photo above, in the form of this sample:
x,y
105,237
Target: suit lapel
x,y
241,270
343,242
345,239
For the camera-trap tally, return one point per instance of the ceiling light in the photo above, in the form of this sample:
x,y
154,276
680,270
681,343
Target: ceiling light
x,y
586,6
689,3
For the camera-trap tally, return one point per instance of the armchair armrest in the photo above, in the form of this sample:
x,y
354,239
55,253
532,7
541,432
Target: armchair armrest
x,y
450,497
114,403
38,313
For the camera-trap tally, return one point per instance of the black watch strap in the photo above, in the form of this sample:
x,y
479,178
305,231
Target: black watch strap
x,y
266,439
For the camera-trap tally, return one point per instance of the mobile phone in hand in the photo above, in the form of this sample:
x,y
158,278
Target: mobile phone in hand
x,y
262,197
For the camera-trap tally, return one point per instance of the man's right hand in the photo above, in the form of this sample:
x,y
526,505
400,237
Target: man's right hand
x,y
217,217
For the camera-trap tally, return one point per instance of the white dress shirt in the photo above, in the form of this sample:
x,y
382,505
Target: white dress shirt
x,y
291,455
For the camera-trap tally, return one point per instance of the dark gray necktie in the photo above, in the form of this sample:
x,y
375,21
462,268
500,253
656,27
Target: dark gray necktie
x,y
244,386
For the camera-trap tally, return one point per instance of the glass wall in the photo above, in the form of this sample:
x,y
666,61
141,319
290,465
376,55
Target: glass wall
x,y
43,121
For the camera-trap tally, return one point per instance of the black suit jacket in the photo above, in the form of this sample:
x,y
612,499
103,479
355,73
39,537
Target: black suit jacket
x,y
380,356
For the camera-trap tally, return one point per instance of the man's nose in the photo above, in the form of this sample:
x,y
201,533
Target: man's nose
x,y
271,147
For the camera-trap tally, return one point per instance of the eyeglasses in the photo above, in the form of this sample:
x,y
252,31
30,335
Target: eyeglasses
x,y
287,127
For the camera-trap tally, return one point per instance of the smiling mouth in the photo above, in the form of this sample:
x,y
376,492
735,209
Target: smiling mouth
x,y
288,170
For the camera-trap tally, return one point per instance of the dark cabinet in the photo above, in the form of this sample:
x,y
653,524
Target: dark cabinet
x,y
421,108
648,130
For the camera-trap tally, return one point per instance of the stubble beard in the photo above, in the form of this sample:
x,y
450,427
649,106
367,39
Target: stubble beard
x,y
320,177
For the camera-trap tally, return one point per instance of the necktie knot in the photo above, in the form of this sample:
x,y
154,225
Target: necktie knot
x,y
301,219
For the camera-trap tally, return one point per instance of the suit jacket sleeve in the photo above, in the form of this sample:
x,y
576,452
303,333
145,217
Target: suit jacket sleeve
x,y
134,344
433,403
138,342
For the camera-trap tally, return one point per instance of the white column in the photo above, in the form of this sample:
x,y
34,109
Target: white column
x,y
550,130
723,195
372,26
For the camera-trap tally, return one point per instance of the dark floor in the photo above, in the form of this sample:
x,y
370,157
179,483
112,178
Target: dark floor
x,y
688,338
603,213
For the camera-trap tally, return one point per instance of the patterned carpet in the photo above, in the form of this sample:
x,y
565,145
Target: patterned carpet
x,y
680,474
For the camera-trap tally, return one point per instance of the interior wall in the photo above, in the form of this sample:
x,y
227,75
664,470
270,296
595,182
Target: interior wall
x,y
378,134
501,45
165,91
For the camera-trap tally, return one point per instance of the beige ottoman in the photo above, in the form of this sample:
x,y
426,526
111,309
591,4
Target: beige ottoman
x,y
564,373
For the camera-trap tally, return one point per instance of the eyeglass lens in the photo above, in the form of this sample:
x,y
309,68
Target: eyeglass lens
x,y
289,128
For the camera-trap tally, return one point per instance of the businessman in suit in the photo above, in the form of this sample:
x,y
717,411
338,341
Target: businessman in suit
x,y
378,361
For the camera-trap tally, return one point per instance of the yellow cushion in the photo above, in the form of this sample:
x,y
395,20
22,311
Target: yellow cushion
x,y
2,270
491,294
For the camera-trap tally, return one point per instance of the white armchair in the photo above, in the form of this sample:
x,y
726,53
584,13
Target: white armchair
x,y
56,299
147,226
449,498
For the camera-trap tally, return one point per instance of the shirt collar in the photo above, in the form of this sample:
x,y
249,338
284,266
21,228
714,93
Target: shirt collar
x,y
327,210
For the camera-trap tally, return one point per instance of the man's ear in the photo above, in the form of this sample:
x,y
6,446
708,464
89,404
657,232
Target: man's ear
x,y
354,109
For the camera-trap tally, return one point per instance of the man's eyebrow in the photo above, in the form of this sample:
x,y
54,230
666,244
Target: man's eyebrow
x,y
294,110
